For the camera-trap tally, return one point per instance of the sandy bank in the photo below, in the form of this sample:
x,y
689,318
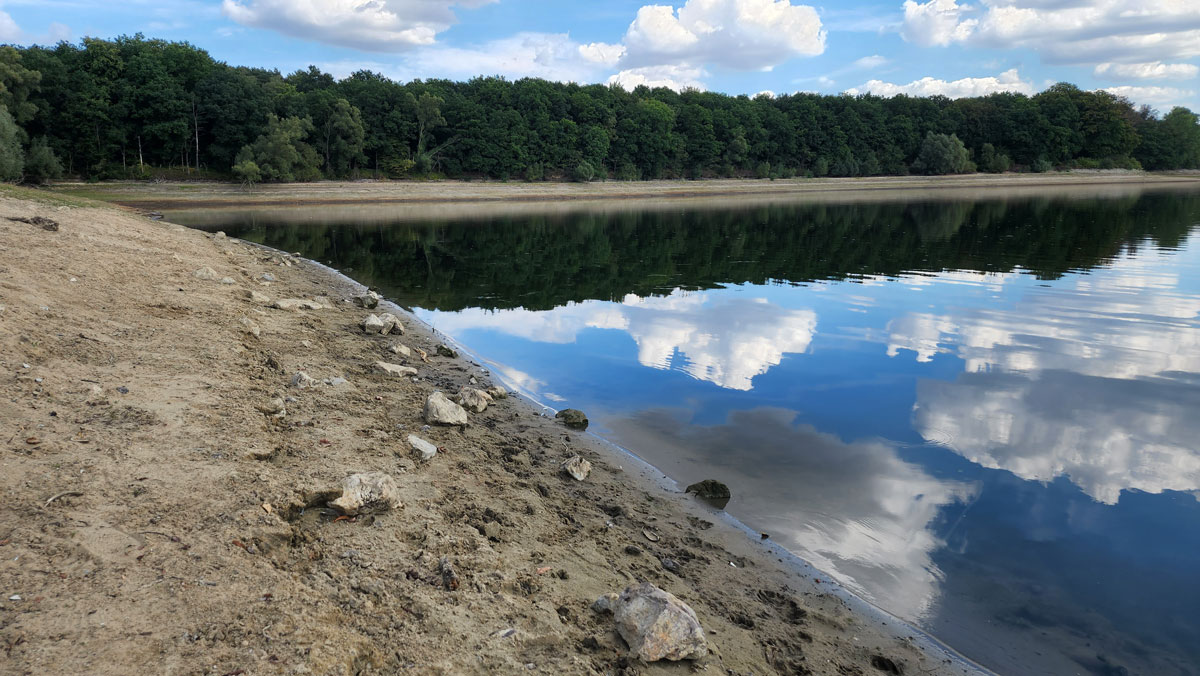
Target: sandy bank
x,y
174,196
176,542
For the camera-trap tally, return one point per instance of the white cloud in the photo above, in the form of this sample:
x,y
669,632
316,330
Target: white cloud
x,y
602,53
936,23
544,55
739,34
869,62
1164,98
373,25
9,30
672,77
1064,31
1008,81
1154,70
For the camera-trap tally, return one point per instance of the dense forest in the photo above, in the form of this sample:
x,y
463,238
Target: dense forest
x,y
138,108
544,261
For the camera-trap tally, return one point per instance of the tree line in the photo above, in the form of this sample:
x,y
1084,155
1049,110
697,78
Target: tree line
x,y
134,107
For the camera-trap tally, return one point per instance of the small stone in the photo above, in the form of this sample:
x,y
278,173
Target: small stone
x,y
670,564
441,411
296,304
15,597
402,350
395,369
372,324
274,408
369,300
227,280
266,277
303,381
445,351
206,273
423,448
384,324
250,327
367,492
220,234
256,297
496,392
577,467
633,550
605,603
334,382
658,626
473,399
573,418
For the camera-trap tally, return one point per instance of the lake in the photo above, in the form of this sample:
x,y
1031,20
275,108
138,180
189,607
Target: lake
x,y
982,416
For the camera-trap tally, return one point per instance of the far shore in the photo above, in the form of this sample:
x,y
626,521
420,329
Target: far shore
x,y
213,195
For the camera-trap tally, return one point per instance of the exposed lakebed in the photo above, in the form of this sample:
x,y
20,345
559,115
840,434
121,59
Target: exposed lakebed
x,y
978,415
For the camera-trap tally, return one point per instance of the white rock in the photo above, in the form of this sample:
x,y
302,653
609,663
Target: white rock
x,y
206,273
266,277
250,327
658,626
496,392
368,492
303,381
334,382
256,297
395,369
473,399
296,304
391,324
274,408
227,280
441,411
373,324
369,300
577,467
424,448
402,350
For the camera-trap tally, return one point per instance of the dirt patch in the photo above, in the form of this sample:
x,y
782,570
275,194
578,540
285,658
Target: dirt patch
x,y
170,513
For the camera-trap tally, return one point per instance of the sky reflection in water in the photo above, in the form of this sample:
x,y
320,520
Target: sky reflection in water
x,y
989,429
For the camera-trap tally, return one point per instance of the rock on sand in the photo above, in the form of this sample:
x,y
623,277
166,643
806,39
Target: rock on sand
x,y
441,411
577,467
473,399
658,626
367,492
395,369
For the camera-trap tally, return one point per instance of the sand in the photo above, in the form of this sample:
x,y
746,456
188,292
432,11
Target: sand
x,y
154,520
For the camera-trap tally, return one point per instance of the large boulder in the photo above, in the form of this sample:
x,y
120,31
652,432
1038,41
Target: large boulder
x,y
384,324
473,399
441,411
573,418
367,492
658,626
711,491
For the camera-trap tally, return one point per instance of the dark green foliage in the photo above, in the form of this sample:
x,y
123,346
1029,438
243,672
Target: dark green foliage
x,y
942,154
40,163
12,159
281,153
116,108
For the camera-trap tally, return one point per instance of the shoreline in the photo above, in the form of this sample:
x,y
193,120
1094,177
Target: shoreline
x,y
140,479
207,195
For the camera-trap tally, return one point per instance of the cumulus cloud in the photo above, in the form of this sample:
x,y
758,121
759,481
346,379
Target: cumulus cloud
x,y
672,77
1154,70
1008,81
374,25
936,23
1164,98
546,55
602,53
9,30
1063,31
738,34
869,62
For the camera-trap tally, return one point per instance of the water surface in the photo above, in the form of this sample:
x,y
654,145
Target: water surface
x,y
982,416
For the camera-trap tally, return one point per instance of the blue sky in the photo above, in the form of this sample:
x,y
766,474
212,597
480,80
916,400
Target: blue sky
x,y
1147,50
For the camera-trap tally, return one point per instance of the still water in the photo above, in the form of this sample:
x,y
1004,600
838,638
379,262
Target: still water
x,y
982,416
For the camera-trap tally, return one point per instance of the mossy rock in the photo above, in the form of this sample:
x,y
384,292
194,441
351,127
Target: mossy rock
x,y
573,418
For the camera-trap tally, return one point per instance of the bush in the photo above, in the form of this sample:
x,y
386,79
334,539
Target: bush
x,y
1041,165
627,172
763,170
247,172
12,159
40,164
535,172
584,172
942,154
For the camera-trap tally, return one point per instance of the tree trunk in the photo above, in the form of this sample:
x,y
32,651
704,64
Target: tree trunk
x,y
141,165
196,124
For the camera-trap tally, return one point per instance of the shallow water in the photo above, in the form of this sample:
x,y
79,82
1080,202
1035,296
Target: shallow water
x,y
982,416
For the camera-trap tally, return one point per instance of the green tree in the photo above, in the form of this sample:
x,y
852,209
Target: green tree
x,y
281,153
942,154
342,139
12,160
40,163
17,85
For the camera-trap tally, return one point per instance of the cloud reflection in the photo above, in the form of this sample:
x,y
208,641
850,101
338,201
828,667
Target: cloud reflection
x,y
855,510
722,340
1094,380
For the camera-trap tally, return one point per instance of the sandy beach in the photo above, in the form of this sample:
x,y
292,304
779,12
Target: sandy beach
x,y
166,475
